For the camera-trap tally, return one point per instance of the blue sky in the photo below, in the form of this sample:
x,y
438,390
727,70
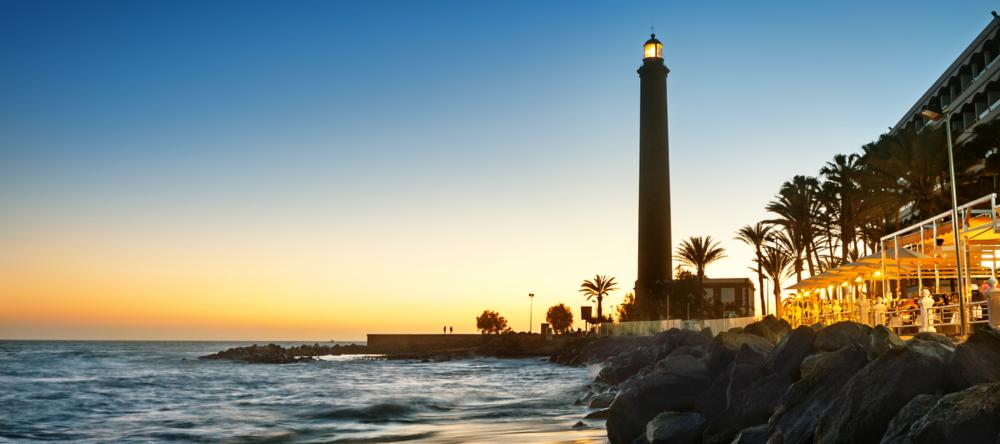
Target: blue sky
x,y
475,138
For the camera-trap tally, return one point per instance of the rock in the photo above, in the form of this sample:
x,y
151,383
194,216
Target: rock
x,y
809,362
597,414
674,388
880,341
675,428
723,349
682,365
933,337
601,401
873,396
969,416
977,360
580,425
264,354
840,334
676,337
786,358
770,328
751,406
698,351
626,364
746,368
805,401
899,428
757,434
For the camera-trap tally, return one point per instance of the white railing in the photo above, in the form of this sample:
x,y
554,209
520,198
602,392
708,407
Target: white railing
x,y
942,316
649,328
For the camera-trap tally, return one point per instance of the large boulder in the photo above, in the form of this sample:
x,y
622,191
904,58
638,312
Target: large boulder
x,y
976,361
899,428
626,364
746,368
601,401
969,416
675,428
840,334
805,401
757,434
880,341
770,328
724,347
875,394
672,386
786,358
751,406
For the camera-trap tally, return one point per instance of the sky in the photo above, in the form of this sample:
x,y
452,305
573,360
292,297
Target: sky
x,y
316,170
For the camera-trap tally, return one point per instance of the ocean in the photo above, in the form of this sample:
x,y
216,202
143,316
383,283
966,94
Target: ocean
x,y
104,391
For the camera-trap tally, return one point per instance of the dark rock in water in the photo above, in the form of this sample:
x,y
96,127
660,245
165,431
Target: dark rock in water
x,y
899,428
786,358
597,414
840,334
805,401
580,425
601,401
969,416
757,434
670,387
675,428
880,341
875,394
976,361
770,328
753,405
266,354
723,349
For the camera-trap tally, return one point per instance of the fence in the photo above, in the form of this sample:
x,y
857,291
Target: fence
x,y
649,328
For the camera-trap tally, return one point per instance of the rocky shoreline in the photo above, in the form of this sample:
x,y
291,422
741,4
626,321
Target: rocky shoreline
x,y
768,383
516,345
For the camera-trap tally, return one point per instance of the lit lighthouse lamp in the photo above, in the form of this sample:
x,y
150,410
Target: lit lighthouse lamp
x,y
653,49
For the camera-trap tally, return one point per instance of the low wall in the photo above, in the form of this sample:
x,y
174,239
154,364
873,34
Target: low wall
x,y
649,328
391,343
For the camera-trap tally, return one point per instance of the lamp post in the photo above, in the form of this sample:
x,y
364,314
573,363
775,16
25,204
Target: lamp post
x,y
936,116
531,310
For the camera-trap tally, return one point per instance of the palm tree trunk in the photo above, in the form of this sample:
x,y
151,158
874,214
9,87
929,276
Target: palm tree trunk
x,y
760,281
777,298
600,317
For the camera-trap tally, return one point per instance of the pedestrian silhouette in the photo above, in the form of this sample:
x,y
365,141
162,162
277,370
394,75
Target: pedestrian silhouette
x,y
451,329
444,330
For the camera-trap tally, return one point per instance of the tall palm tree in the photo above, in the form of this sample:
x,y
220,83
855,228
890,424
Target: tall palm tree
x,y
797,206
775,262
908,169
755,236
698,253
597,289
843,174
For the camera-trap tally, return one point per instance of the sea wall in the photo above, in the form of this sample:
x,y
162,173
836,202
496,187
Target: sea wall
x,y
649,328
403,343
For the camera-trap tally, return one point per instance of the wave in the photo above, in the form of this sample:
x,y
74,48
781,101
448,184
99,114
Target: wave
x,y
379,412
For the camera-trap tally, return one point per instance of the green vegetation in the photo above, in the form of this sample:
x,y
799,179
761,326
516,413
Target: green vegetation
x,y
628,310
490,322
597,289
560,318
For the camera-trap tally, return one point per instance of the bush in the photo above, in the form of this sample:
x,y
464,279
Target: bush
x,y
490,322
560,318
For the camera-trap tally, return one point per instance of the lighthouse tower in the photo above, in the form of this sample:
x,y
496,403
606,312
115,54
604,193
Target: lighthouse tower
x,y
654,272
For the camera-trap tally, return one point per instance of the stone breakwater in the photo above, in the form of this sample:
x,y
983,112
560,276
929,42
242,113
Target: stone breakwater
x,y
512,345
768,383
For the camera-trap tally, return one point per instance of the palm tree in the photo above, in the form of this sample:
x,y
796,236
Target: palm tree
x,y
908,169
698,253
597,289
842,174
775,262
797,207
755,236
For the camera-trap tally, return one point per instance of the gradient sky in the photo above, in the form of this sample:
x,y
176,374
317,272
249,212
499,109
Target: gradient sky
x,y
321,170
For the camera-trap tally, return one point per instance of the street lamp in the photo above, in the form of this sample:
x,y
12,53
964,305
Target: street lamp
x,y
531,310
936,116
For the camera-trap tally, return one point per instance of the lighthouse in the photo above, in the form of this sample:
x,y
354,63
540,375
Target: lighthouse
x,y
654,271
